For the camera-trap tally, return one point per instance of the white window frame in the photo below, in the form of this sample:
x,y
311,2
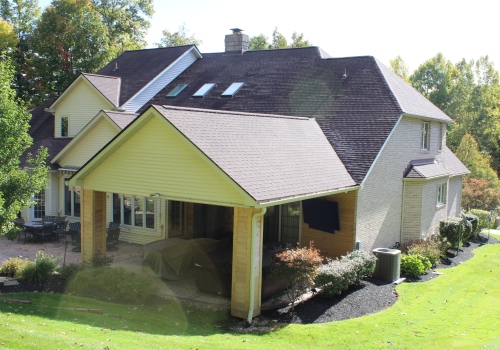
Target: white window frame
x,y
425,136
442,191
43,196
441,138
132,214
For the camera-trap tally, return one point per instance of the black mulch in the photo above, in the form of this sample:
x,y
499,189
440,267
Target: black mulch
x,y
372,296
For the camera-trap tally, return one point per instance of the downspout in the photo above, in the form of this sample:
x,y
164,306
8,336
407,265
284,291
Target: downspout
x,y
402,213
252,263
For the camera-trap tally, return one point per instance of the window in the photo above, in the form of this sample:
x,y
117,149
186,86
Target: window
x,y
64,127
134,210
282,224
441,195
177,90
205,89
440,140
39,207
425,136
72,201
232,89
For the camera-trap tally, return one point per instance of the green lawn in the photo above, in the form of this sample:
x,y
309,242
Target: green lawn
x,y
458,310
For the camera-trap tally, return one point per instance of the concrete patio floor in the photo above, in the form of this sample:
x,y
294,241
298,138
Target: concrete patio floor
x,y
128,255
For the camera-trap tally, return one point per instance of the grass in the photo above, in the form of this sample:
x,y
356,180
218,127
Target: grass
x,y
457,310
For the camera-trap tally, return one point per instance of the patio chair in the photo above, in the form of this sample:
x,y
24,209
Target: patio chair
x,y
60,226
19,223
48,232
112,236
76,237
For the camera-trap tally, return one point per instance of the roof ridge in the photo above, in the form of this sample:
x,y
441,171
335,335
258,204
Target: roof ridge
x,y
215,111
386,83
119,112
157,48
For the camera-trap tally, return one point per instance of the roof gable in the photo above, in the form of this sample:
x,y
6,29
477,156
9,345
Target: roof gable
x,y
109,87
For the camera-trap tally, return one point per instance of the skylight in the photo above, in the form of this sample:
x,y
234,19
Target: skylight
x,y
205,89
232,89
177,90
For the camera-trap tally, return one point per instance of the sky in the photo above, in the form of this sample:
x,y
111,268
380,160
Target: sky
x,y
415,30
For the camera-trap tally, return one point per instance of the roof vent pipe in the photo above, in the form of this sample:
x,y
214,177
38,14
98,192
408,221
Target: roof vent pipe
x,y
236,42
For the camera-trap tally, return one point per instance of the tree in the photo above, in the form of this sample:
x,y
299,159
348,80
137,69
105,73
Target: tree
x,y
399,67
126,22
70,39
480,194
8,39
477,163
23,16
258,42
298,40
178,38
17,186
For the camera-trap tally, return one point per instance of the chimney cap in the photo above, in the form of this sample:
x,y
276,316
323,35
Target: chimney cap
x,y
236,30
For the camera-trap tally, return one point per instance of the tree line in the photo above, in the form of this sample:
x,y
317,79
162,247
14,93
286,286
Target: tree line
x,y
468,92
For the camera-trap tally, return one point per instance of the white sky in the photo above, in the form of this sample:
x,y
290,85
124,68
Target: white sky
x,y
415,30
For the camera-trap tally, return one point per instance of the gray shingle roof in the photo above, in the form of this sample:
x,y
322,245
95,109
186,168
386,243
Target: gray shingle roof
x,y
270,157
54,145
137,68
122,119
108,86
453,164
428,171
409,99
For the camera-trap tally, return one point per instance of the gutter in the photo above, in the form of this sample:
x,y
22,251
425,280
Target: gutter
x,y
252,264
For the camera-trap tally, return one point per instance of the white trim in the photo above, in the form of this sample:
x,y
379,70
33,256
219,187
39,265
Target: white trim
x,y
152,81
380,152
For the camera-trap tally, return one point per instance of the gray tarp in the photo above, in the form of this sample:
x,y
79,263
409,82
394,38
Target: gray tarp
x,y
173,258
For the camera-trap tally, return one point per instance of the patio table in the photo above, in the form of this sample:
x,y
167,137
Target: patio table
x,y
35,228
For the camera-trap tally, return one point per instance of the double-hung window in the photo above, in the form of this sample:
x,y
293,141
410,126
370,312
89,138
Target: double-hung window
x,y
441,195
424,146
134,210
64,126
72,201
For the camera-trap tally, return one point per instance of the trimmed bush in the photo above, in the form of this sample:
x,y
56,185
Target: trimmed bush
x,y
112,284
474,221
70,270
433,248
467,230
40,270
452,230
298,268
364,263
336,276
414,265
12,266
484,219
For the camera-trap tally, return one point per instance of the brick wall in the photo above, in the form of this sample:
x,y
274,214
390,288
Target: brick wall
x,y
380,199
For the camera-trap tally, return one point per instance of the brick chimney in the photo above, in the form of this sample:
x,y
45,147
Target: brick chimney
x,y
236,42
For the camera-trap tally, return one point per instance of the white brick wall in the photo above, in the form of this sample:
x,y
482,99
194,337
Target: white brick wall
x,y
380,200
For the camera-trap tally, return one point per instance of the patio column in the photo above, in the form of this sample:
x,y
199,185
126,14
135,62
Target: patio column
x,y
242,244
93,222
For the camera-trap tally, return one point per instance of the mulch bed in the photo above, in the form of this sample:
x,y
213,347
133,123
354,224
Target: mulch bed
x,y
371,297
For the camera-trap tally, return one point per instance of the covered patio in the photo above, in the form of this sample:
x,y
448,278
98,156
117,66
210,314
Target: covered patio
x,y
244,162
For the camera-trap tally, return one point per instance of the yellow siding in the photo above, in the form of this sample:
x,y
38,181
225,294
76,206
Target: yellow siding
x,y
90,144
157,159
81,104
341,242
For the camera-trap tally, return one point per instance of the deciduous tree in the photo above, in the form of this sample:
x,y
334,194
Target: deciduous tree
x,y
260,42
399,67
17,186
480,194
178,38
477,163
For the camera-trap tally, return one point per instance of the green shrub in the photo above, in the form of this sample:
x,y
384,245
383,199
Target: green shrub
x,y
336,276
112,284
414,265
433,248
70,270
452,229
467,229
484,218
474,221
40,270
298,268
364,263
11,266
101,260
